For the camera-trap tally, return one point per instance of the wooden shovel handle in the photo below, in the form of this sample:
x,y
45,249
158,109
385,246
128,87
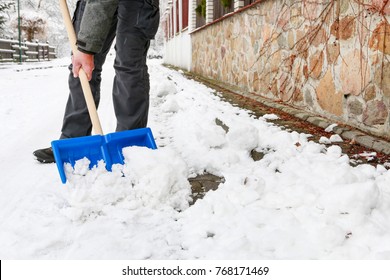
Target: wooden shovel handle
x,y
83,77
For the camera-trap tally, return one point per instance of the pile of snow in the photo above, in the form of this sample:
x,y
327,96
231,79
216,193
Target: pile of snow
x,y
302,200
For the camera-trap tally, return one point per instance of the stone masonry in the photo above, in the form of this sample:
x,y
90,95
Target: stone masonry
x,y
330,57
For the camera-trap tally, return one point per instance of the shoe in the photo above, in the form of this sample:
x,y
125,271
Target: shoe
x,y
44,155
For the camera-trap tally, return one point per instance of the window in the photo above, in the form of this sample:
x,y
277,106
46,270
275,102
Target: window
x,y
184,7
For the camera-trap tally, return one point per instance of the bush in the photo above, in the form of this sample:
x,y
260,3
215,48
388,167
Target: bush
x,y
3,8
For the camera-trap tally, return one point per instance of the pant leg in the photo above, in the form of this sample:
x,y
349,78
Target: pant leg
x,y
76,120
131,83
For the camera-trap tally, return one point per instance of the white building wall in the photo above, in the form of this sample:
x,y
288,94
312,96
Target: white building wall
x,y
178,51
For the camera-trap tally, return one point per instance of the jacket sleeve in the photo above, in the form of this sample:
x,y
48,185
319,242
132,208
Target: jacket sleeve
x,y
95,24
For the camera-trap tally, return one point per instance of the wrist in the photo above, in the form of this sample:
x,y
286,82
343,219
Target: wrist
x,y
85,51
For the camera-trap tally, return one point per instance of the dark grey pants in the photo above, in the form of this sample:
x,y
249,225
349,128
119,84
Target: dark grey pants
x,y
135,24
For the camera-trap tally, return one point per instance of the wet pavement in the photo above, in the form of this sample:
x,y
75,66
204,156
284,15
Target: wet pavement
x,y
201,184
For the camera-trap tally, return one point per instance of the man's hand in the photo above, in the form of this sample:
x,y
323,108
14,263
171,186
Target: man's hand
x,y
82,60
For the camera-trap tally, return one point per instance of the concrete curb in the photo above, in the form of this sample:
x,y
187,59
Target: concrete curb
x,y
346,132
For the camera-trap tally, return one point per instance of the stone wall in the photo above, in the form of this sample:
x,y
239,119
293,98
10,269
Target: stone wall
x,y
330,57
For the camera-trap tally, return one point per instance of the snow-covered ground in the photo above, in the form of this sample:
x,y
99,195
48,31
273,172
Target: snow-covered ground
x,y
301,201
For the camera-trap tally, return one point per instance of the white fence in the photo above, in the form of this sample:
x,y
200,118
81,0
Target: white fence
x,y
12,51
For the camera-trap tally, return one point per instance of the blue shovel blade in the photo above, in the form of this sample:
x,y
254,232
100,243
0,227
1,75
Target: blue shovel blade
x,y
115,142
98,147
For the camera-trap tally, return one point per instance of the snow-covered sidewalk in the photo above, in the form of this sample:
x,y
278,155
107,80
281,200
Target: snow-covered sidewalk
x,y
299,202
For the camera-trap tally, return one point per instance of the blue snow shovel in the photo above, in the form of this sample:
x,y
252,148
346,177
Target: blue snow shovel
x,y
97,147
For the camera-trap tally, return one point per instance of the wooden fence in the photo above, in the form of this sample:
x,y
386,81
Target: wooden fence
x,y
28,51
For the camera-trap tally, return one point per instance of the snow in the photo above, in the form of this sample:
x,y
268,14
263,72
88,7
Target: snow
x,y
330,127
335,138
302,200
